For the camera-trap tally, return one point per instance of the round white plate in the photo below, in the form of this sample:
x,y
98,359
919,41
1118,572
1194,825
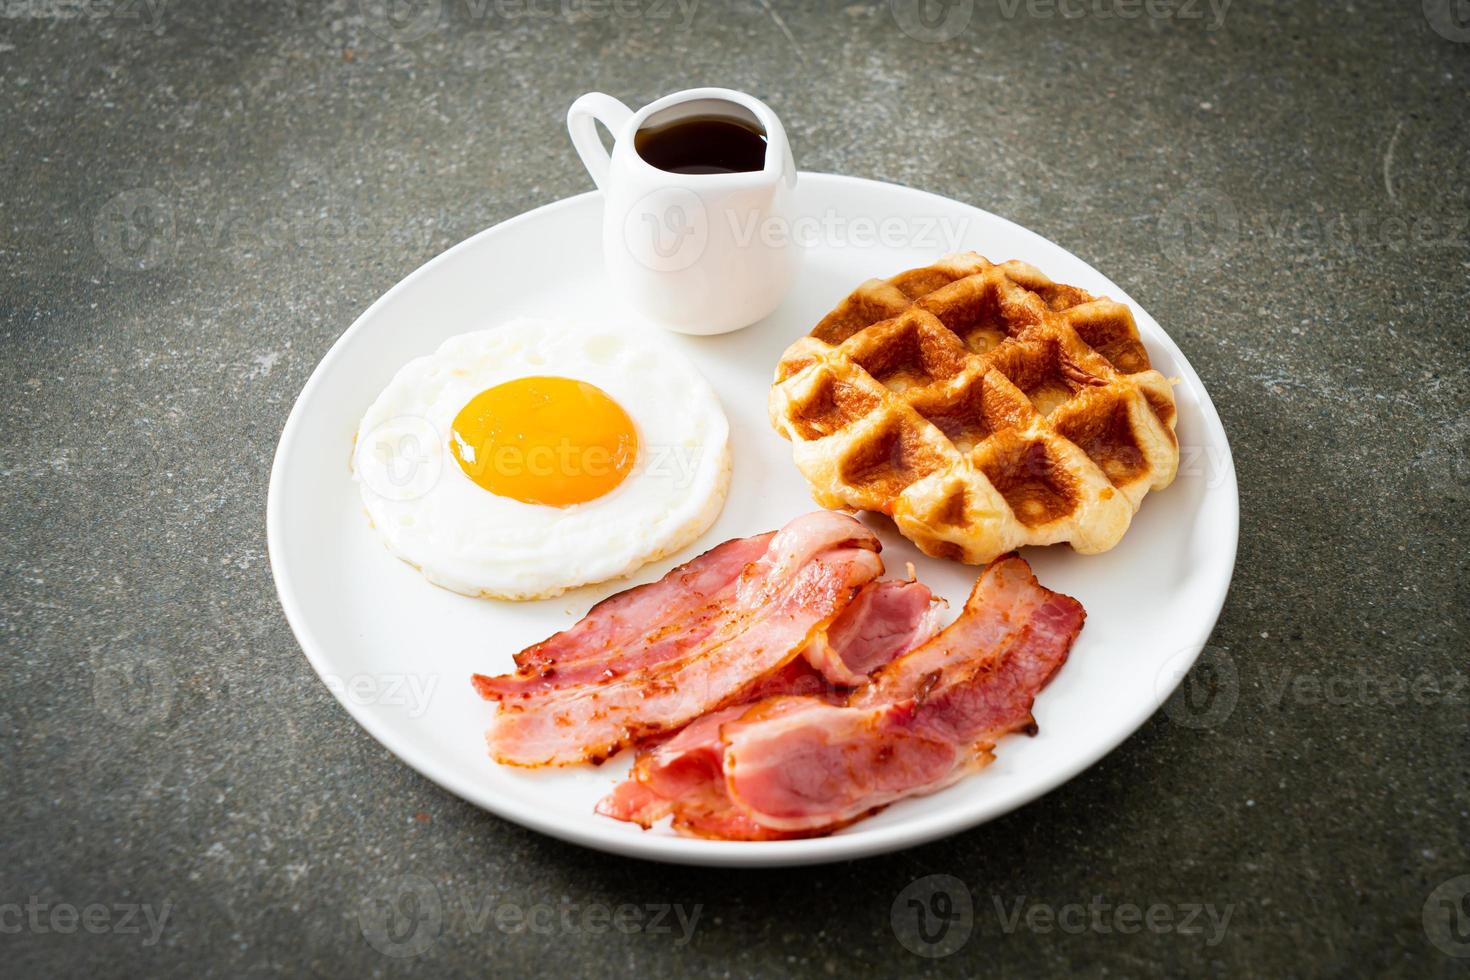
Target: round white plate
x,y
398,652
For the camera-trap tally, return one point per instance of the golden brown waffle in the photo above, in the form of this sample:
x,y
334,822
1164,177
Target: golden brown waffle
x,y
983,407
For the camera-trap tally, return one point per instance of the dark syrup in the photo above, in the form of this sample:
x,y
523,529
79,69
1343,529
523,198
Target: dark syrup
x,y
703,145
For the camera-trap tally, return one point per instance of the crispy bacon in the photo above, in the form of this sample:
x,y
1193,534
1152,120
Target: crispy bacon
x,y
687,767
807,574
821,766
590,722
885,620
797,766
1000,605
636,628
840,762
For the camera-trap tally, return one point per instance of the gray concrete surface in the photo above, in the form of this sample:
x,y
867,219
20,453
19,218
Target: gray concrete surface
x,y
197,198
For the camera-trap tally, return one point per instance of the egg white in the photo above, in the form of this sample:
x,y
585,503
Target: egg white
x,y
465,538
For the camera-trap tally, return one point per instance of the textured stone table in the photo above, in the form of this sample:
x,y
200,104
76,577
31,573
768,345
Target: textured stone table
x,y
198,198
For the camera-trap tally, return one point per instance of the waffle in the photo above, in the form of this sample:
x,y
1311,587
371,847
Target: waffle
x,y
982,407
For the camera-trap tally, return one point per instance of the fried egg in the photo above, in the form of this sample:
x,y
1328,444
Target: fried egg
x,y
525,460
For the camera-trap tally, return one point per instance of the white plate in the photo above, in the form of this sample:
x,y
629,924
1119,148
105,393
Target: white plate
x,y
398,652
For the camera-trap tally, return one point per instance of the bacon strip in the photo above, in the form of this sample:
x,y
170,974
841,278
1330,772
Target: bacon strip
x,y
1000,605
686,767
823,766
807,575
635,628
796,766
885,620
839,762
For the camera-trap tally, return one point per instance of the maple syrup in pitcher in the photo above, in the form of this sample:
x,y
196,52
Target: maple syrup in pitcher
x,y
704,144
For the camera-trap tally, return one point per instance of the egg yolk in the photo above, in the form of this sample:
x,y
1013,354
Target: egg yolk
x,y
552,441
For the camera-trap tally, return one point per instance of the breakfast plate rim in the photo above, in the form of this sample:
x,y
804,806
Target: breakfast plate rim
x,y
666,848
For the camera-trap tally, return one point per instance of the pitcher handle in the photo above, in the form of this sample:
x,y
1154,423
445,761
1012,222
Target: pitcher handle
x,y
582,120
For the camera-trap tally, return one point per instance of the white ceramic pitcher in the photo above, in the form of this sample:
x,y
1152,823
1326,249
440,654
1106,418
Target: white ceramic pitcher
x,y
696,253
